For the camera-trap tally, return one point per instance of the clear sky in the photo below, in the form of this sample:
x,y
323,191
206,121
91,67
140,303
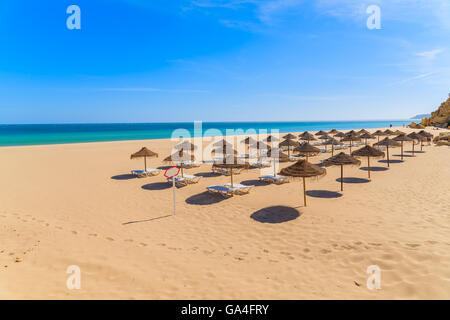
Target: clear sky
x,y
222,60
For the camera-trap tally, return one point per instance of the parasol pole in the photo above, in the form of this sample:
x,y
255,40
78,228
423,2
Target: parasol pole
x,y
368,165
231,173
387,151
342,177
413,148
145,163
402,150
304,191
332,149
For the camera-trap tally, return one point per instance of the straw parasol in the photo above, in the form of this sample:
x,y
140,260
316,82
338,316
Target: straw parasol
x,y
362,131
426,135
369,152
333,131
271,138
320,133
351,132
415,136
324,139
378,134
366,136
289,143
351,136
289,136
185,145
389,132
341,159
249,140
307,150
223,147
333,143
398,132
387,143
277,154
303,169
339,135
231,162
402,138
180,156
144,153
307,136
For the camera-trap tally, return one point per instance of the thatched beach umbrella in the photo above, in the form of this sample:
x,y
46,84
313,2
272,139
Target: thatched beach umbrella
x,y
378,134
223,147
180,156
333,131
387,143
389,132
351,137
307,136
289,143
402,138
185,145
339,135
366,136
426,136
307,150
398,132
341,159
289,136
369,152
249,141
324,139
320,133
333,143
362,131
276,154
231,162
415,136
303,169
271,138
144,153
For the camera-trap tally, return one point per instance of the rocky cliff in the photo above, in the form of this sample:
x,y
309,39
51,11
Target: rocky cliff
x,y
440,117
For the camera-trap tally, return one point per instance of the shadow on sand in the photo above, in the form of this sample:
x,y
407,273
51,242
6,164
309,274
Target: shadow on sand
x,y
374,168
256,183
275,214
390,161
415,151
207,174
165,167
127,176
204,198
353,180
325,194
156,186
404,155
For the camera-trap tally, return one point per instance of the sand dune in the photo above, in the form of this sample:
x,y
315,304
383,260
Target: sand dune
x,y
63,205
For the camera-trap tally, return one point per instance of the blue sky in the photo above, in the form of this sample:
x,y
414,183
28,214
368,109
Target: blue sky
x,y
229,60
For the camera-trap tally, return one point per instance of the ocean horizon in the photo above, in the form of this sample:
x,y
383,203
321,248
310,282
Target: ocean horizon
x,y
45,134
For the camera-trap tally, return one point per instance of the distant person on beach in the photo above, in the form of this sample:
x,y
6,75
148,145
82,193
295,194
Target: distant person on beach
x,y
390,125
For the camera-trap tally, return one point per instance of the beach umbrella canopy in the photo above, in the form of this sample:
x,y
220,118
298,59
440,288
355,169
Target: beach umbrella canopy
x,y
378,134
351,132
249,140
389,132
303,169
307,150
426,135
341,159
369,152
277,155
366,136
339,135
289,143
231,162
402,138
271,138
333,131
387,143
289,136
351,137
307,136
223,147
144,153
333,143
180,156
416,136
185,145
320,133
398,132
362,131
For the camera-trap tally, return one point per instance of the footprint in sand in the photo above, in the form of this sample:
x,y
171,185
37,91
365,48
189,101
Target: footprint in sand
x,y
60,228
162,244
142,244
109,238
306,250
74,232
431,242
128,240
413,245
375,244
325,251
92,234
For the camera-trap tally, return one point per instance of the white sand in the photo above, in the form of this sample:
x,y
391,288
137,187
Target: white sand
x,y
59,206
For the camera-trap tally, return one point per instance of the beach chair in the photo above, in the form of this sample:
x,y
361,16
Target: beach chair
x,y
179,181
219,170
221,190
260,164
239,189
152,172
278,179
191,179
139,173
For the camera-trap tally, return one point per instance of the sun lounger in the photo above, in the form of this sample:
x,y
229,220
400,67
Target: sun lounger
x,y
152,172
226,172
184,181
239,189
260,164
228,191
278,179
139,173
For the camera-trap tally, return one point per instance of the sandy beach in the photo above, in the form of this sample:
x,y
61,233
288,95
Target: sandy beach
x,y
76,204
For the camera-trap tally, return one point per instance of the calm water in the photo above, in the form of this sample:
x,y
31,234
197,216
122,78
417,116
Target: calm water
x,y
36,134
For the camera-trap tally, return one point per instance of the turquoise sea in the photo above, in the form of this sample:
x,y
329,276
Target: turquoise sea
x,y
38,134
